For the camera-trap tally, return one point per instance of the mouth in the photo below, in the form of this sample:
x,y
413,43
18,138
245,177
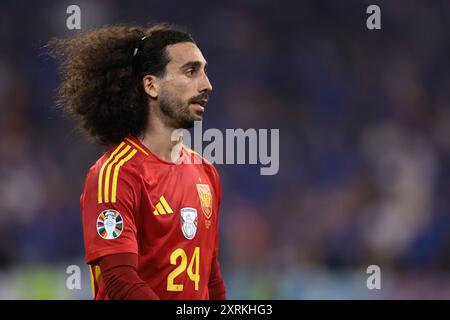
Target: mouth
x,y
199,105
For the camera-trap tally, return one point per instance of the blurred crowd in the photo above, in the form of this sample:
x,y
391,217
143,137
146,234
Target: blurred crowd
x,y
364,119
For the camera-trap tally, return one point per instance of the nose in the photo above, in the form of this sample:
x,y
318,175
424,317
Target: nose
x,y
205,85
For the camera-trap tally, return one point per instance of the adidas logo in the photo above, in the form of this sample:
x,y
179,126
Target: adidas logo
x,y
162,207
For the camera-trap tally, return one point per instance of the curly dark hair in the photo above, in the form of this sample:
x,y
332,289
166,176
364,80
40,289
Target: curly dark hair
x,y
102,74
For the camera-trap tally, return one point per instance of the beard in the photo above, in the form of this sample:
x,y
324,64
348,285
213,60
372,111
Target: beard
x,y
177,111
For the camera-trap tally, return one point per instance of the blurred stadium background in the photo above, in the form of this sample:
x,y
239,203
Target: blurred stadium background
x,y
364,119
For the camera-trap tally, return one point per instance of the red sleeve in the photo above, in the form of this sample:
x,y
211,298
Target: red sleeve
x,y
216,284
121,279
113,205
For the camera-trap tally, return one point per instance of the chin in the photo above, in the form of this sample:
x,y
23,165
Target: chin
x,y
187,124
188,121
198,118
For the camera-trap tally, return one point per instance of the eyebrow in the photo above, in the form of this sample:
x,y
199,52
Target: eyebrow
x,y
193,64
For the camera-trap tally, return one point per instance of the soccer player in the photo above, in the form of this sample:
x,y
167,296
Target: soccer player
x,y
150,206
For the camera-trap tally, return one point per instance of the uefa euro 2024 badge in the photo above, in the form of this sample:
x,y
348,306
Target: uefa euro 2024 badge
x,y
109,224
189,222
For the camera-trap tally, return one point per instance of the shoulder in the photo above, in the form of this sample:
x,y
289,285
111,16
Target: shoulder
x,y
119,165
124,156
206,165
209,169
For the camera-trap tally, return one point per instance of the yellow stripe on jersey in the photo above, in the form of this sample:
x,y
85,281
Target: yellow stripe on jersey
x,y
134,144
98,274
100,176
160,208
95,275
192,151
165,204
189,149
116,174
108,171
92,282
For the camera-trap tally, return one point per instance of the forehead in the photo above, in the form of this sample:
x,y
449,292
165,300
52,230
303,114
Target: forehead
x,y
184,52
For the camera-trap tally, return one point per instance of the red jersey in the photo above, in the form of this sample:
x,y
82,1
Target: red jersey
x,y
166,213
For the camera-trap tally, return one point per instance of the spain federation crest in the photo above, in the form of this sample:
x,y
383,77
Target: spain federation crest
x,y
204,193
189,221
109,224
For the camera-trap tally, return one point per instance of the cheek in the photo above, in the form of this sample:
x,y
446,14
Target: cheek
x,y
180,88
174,96
183,93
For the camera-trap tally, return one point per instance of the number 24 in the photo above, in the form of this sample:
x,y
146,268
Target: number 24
x,y
192,272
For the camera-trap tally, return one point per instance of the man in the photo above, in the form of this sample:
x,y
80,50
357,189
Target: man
x,y
149,209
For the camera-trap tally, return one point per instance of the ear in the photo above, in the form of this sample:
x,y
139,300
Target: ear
x,y
150,84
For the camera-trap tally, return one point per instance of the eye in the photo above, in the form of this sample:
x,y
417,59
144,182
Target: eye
x,y
190,71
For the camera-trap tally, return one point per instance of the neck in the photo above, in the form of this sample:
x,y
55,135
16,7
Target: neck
x,y
157,137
